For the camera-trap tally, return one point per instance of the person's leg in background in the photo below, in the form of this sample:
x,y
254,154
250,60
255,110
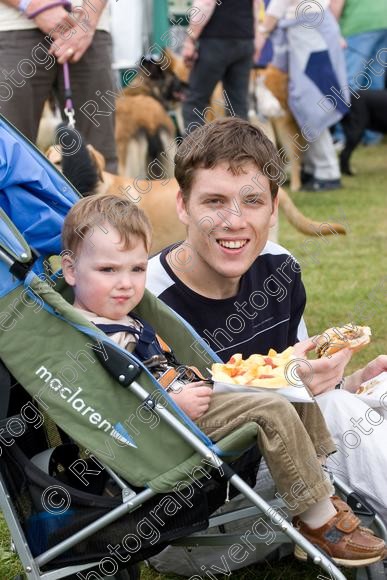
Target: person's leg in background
x,y
237,76
91,78
320,160
27,74
363,67
207,71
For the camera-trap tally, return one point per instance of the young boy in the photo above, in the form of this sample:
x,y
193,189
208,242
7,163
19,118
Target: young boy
x,y
107,239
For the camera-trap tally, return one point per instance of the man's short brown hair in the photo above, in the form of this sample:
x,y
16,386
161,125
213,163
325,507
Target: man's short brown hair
x,y
95,211
233,140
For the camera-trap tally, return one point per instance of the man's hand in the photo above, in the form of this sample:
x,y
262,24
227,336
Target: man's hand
x,y
73,47
371,370
193,398
325,373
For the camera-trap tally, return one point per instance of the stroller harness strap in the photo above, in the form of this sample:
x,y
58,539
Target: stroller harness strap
x,y
148,343
151,346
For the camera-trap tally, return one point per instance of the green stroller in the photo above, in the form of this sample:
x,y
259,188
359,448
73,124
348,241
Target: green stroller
x,y
99,467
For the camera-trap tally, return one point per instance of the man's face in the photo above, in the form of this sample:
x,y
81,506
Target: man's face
x,y
228,218
107,279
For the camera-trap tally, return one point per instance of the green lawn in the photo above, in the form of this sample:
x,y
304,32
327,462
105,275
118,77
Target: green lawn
x,y
343,276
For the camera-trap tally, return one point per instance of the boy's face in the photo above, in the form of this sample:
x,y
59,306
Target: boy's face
x,y
107,279
220,200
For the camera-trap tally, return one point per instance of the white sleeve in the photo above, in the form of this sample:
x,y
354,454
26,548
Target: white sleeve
x,y
302,331
278,8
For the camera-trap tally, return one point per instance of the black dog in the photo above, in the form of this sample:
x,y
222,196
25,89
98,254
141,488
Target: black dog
x,y
77,165
369,111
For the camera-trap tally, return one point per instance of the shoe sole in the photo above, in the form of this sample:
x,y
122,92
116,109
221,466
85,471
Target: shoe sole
x,y
301,555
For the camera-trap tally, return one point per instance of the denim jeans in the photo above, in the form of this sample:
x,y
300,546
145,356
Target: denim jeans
x,y
361,48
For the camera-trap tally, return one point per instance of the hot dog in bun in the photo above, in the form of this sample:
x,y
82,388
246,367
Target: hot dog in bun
x,y
349,336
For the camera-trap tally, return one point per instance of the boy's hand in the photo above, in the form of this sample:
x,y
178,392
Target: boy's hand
x,y
323,374
194,399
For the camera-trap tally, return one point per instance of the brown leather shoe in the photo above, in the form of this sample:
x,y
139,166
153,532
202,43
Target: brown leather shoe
x,y
342,540
342,506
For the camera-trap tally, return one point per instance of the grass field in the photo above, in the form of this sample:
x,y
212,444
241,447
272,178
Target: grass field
x,y
343,276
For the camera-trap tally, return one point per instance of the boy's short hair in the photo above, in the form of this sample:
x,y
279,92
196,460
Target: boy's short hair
x,y
122,214
233,140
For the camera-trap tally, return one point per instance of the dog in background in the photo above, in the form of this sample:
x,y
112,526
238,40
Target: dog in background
x,y
144,132
77,163
144,111
49,122
164,78
369,111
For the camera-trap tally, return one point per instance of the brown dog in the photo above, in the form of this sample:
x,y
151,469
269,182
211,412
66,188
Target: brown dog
x,y
143,131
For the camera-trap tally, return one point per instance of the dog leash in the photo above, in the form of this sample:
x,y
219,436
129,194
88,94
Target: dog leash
x,y
69,107
68,95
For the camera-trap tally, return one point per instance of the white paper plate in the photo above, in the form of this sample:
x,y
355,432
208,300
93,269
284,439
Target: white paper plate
x,y
293,394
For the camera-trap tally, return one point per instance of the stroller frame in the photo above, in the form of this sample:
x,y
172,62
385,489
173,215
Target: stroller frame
x,y
131,500
17,257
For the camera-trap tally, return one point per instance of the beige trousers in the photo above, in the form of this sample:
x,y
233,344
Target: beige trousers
x,y
290,438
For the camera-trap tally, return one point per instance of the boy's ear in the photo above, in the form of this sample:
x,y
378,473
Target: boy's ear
x,y
68,269
181,208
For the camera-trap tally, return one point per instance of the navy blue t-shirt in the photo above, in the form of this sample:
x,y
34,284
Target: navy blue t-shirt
x,y
265,313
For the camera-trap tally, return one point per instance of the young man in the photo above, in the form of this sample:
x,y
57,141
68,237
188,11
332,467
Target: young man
x,y
238,291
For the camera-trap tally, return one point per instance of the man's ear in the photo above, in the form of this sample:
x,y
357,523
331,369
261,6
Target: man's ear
x,y
68,269
274,211
181,208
